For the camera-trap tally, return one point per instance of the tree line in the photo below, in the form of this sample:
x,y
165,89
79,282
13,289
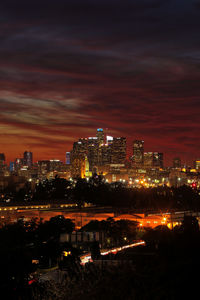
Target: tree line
x,y
98,192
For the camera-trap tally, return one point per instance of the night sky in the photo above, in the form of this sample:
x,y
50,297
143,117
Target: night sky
x,y
69,67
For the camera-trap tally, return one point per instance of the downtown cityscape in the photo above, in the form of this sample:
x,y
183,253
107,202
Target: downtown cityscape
x,y
99,149
74,217
101,155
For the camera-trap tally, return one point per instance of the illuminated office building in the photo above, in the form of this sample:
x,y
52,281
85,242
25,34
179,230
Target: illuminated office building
x,y
100,136
3,166
80,147
78,166
118,150
98,152
43,166
19,162
12,166
148,159
176,162
138,153
93,151
197,164
28,158
109,140
158,160
153,159
55,165
67,158
2,161
87,168
104,155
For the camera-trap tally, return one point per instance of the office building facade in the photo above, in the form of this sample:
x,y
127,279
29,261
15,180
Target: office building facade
x,y
138,153
28,158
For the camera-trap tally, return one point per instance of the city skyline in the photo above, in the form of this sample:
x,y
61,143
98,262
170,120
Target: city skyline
x,y
129,151
136,153
68,68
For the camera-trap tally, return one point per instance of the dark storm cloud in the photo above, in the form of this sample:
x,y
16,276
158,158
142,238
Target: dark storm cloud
x,y
67,67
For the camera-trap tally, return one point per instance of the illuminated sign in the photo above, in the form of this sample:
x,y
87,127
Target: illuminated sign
x,y
109,138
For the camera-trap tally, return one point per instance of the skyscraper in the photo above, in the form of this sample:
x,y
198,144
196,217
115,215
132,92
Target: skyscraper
x,y
19,162
104,157
118,150
80,147
100,136
138,153
158,159
43,167
2,157
67,158
12,166
177,162
98,152
93,152
28,158
78,163
109,140
153,159
148,159
2,161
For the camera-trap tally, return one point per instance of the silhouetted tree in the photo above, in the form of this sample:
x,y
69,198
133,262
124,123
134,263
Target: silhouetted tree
x,y
95,250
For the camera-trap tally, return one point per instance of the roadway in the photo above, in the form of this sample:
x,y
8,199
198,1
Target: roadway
x,y
87,257
55,274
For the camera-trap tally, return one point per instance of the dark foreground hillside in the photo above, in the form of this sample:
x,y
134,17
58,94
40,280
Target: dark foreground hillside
x,y
167,268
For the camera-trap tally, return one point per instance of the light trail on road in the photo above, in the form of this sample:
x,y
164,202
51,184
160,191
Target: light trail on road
x,y
87,257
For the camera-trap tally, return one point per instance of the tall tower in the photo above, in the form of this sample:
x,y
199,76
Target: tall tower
x,y
176,162
80,147
67,158
2,157
118,150
2,161
93,151
148,159
100,136
28,158
158,159
138,152
78,166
